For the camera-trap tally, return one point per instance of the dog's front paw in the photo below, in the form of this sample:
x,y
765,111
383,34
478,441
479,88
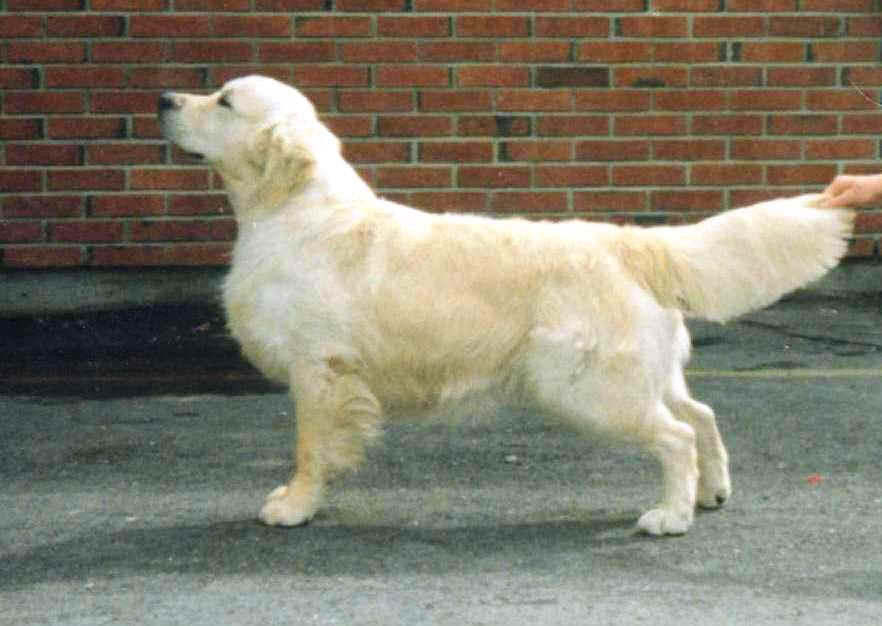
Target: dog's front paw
x,y
281,509
664,521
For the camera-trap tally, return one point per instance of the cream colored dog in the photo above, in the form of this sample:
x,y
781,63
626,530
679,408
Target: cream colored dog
x,y
369,309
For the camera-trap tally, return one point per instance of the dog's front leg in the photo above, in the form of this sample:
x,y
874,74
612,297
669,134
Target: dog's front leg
x,y
336,416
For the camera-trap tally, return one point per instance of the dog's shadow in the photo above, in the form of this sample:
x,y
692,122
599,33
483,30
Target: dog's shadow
x,y
245,547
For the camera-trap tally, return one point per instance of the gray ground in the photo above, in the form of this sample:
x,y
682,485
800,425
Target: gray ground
x,y
140,509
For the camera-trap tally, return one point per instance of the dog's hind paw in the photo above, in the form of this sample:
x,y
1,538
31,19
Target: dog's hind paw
x,y
283,510
663,521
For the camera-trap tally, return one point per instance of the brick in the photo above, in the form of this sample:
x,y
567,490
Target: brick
x,y
156,230
214,51
320,75
614,52
45,52
532,5
773,52
492,26
252,25
24,154
547,51
86,127
654,26
862,124
493,126
379,52
726,174
124,154
571,76
529,202
133,6
124,101
766,149
125,205
689,150
85,179
838,100
805,26
729,26
802,76
572,125
20,232
536,151
846,51
651,76
412,76
45,5
12,26
199,204
492,76
85,76
176,179
82,26
691,6
377,152
371,5
604,201
85,231
617,150
42,206
862,247
160,255
297,52
375,101
351,125
571,176
530,100
864,26
612,100
333,26
690,100
726,76
841,149
802,124
648,175
411,27
42,256
455,151
19,78
289,5
414,176
806,174
456,51
486,176
862,76
44,102
129,52
454,101
727,124
162,77
688,200
170,26
765,100
453,6
571,26
20,128
629,125
414,126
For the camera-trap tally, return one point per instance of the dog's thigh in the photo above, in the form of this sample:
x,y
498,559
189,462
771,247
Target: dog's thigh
x,y
714,486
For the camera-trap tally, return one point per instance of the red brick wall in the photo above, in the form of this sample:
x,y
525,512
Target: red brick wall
x,y
628,110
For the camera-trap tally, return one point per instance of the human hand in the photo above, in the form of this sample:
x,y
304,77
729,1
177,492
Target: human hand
x,y
853,191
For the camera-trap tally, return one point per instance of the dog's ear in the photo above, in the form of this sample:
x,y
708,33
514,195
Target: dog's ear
x,y
284,159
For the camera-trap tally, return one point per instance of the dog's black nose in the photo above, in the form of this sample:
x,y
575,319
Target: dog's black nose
x,y
167,101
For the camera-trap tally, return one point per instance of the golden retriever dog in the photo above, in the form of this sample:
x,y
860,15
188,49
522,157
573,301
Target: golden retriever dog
x,y
370,310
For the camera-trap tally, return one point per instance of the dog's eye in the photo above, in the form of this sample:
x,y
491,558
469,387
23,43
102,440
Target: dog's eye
x,y
224,101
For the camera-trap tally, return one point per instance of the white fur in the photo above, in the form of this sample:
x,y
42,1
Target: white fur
x,y
369,309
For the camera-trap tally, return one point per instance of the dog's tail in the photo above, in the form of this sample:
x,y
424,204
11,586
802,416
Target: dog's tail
x,y
740,260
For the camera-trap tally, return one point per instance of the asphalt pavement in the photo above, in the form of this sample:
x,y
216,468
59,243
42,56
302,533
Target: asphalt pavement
x,y
136,448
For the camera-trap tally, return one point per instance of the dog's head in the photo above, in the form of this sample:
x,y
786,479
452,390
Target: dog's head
x,y
261,135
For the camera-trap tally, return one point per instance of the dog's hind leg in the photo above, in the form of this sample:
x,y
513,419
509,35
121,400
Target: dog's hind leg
x,y
714,486
336,416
